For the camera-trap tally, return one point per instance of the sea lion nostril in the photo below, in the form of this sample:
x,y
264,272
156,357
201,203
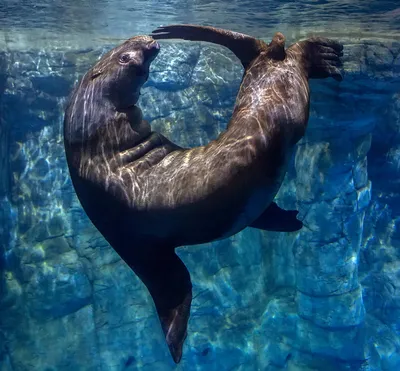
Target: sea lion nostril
x,y
153,45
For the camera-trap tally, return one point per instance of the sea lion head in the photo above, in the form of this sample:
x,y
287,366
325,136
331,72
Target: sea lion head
x,y
105,98
121,72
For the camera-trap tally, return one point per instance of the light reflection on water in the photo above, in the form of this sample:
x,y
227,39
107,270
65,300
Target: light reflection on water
x,y
60,20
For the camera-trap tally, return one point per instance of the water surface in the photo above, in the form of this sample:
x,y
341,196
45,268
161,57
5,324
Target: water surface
x,y
29,23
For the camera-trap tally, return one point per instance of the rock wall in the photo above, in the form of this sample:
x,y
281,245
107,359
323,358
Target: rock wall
x,y
324,298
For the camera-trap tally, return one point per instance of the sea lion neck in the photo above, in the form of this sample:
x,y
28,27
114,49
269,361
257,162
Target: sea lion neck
x,y
101,128
122,130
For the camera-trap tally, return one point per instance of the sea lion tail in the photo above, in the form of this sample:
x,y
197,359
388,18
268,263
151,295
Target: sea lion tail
x,y
245,47
276,48
168,282
320,56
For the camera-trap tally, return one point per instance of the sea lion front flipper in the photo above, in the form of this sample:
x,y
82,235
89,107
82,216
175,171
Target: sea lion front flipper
x,y
277,220
168,281
245,47
320,56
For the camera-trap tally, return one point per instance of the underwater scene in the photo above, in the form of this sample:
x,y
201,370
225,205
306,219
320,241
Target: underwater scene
x,y
219,198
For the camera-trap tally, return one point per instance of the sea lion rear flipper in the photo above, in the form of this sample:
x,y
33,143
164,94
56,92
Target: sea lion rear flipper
x,y
168,281
245,47
278,220
320,56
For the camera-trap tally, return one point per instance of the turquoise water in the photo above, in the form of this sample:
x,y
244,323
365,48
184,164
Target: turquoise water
x,y
324,298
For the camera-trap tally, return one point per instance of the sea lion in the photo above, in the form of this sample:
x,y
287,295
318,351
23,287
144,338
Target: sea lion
x,y
148,196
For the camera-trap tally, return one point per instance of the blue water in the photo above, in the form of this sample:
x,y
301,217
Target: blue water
x,y
325,298
91,21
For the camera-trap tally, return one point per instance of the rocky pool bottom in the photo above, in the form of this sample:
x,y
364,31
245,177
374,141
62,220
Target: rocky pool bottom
x,y
326,298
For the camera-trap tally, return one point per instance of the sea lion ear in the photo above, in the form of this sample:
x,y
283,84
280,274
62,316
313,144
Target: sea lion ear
x,y
245,47
96,73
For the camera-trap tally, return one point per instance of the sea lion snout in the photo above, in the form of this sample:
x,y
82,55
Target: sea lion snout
x,y
146,44
153,45
151,49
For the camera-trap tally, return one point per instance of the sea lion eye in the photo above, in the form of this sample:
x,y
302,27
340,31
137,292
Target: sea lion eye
x,y
124,58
